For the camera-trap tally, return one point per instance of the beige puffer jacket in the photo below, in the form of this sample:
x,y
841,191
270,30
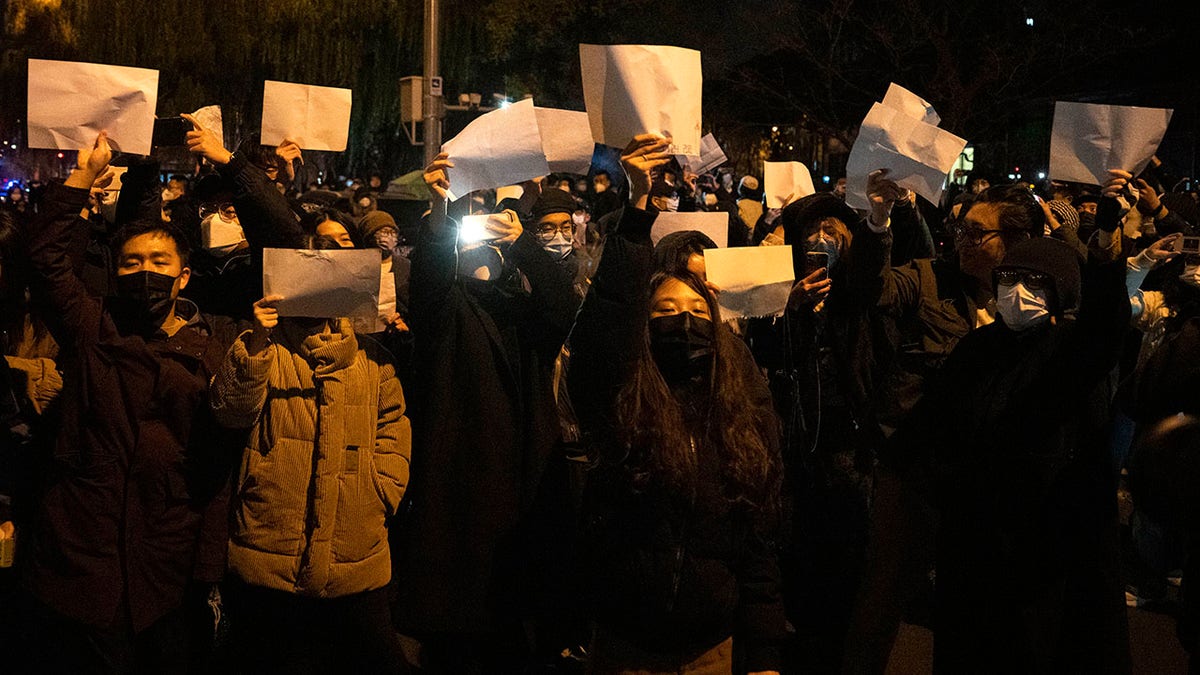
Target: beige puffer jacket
x,y
326,461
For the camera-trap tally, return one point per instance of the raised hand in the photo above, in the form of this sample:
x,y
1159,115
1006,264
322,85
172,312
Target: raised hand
x,y
206,143
689,179
1117,185
266,318
883,193
1163,249
1148,201
289,152
91,164
506,224
644,153
437,176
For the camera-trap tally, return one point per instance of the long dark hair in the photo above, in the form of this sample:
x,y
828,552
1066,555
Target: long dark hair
x,y
657,436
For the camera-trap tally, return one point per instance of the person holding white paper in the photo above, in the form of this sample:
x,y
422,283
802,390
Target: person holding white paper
x,y
248,176
325,464
678,569
928,305
810,355
490,312
132,505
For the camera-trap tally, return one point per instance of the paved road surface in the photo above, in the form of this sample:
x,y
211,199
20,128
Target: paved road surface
x,y
1152,638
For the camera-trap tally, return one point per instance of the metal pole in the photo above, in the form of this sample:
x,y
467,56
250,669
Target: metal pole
x,y
433,104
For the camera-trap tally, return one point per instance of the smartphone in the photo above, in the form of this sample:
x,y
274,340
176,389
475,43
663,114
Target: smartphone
x,y
815,260
1187,245
170,132
473,229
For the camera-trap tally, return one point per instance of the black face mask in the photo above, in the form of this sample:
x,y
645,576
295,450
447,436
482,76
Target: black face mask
x,y
682,346
143,301
569,264
1087,225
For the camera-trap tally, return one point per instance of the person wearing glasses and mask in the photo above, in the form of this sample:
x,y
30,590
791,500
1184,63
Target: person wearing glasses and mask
x,y
1010,447
917,313
488,319
555,229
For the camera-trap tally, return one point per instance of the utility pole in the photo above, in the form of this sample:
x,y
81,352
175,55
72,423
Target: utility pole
x,y
433,87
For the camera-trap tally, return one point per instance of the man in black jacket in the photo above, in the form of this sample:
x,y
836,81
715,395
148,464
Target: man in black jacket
x,y
131,507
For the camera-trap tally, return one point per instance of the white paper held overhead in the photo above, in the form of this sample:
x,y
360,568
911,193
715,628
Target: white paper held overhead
x,y
70,103
643,89
566,140
782,180
210,118
713,224
711,156
317,118
1088,139
323,284
918,155
500,148
910,104
755,281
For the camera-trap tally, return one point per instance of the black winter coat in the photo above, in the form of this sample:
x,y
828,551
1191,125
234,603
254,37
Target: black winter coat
x,y
670,575
484,424
1011,443
133,501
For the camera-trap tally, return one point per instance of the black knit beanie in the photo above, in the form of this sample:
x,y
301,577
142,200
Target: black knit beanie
x,y
553,200
1054,258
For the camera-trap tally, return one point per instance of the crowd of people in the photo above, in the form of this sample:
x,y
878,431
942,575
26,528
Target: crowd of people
x,y
558,456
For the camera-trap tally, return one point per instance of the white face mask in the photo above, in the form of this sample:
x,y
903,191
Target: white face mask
x,y
221,237
559,247
1020,307
1191,275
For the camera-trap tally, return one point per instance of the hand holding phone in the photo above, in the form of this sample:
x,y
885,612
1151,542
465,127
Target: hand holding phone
x,y
1187,245
814,261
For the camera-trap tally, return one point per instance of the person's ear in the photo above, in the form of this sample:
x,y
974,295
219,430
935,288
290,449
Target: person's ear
x,y
184,275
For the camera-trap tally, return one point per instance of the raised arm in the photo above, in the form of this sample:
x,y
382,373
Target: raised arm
x,y
435,257
870,279
266,219
604,341
70,312
141,194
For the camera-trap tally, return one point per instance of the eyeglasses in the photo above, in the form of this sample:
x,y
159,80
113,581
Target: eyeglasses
x,y
1034,281
547,231
973,235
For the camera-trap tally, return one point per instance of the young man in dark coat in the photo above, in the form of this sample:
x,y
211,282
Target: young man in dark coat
x,y
488,320
132,505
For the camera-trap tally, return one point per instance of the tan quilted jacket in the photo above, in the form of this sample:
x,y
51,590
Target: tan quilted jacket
x,y
326,460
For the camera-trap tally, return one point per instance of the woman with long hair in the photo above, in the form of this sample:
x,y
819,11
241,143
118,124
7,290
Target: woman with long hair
x,y
682,498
